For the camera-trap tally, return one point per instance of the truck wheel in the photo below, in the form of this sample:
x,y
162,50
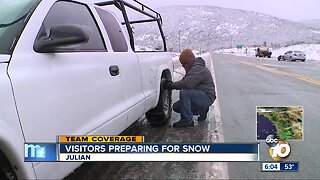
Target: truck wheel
x,y
7,174
6,170
161,114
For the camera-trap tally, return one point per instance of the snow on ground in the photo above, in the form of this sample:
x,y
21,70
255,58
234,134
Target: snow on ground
x,y
312,51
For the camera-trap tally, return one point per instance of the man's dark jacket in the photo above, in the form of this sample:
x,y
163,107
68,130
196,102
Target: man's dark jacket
x,y
199,77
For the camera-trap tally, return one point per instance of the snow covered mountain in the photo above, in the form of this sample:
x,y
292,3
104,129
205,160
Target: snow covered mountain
x,y
209,28
313,23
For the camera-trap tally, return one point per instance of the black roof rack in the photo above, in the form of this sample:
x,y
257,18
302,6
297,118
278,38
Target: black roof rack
x,y
154,16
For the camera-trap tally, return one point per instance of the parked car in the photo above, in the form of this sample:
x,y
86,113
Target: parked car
x,y
67,68
292,56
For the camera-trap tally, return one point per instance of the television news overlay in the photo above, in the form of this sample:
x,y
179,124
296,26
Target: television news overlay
x,y
280,166
133,148
277,125
35,152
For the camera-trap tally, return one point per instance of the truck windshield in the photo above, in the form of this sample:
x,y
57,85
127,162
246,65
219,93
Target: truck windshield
x,y
13,16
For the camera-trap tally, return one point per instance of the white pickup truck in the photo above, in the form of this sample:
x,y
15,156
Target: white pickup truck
x,y
70,68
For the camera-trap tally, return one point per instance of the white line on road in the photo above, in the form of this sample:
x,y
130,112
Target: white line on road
x,y
217,116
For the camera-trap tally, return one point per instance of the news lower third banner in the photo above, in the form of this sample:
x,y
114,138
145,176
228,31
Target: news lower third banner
x,y
110,149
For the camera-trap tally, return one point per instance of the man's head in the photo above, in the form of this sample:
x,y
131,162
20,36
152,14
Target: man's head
x,y
187,59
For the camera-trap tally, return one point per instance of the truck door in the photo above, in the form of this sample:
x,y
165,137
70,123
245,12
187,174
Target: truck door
x,y
128,64
76,90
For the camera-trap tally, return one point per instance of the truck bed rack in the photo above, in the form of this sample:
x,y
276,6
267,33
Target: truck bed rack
x,y
121,5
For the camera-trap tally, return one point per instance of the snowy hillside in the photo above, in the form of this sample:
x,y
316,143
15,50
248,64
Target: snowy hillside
x,y
209,28
313,23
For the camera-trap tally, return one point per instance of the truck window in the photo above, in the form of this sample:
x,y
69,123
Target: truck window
x,y
114,31
13,18
63,12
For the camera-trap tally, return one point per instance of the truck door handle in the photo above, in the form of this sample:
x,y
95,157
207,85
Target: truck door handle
x,y
114,70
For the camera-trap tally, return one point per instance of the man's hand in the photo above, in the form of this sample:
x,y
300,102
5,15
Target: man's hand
x,y
167,85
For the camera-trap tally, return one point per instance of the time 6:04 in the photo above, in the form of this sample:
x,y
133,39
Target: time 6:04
x,y
271,166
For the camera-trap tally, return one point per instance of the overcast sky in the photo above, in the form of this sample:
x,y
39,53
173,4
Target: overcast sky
x,y
294,10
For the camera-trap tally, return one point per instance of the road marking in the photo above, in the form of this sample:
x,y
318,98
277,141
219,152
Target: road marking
x,y
278,71
308,80
274,65
217,116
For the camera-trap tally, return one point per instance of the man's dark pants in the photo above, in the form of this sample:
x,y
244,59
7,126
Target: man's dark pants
x,y
192,102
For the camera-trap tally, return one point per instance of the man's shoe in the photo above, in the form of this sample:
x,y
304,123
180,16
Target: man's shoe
x,y
203,116
180,124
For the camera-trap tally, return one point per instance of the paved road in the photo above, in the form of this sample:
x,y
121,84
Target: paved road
x,y
244,83
207,131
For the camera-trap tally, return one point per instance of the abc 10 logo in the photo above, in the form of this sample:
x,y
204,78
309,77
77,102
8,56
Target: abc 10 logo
x,y
279,150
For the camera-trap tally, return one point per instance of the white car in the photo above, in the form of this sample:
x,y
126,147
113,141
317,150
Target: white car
x,y
293,56
66,68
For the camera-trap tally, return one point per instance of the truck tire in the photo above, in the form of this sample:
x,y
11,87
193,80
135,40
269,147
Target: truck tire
x,y
7,174
161,114
6,170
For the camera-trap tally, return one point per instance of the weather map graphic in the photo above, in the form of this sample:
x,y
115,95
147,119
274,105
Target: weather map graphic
x,y
283,122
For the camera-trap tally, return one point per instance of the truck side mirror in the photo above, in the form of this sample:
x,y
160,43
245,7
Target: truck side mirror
x,y
61,36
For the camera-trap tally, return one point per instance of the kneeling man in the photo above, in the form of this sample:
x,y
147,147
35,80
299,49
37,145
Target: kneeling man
x,y
197,90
